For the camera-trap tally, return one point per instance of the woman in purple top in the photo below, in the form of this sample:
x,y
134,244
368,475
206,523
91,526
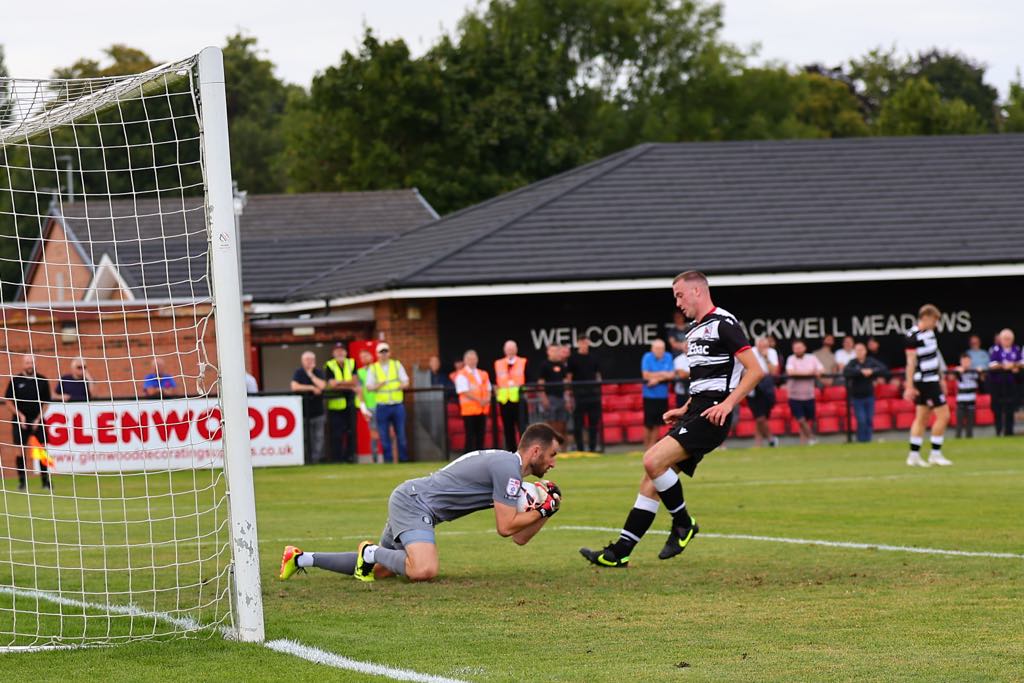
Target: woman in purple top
x,y
1005,362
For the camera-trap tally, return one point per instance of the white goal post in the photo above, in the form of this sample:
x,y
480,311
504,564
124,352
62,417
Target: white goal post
x,y
127,509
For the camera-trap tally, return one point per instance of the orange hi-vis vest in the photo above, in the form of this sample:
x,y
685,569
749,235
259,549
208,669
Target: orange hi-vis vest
x,y
509,377
478,388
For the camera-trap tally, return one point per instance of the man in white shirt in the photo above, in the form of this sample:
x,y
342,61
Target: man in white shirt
x,y
845,354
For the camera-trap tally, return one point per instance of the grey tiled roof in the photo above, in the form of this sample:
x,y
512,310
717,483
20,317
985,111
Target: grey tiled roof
x,y
724,207
160,248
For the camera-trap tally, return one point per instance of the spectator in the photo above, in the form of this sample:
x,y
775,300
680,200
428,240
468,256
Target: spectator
x,y
251,386
436,377
309,381
74,386
845,354
1003,368
967,380
681,365
341,380
509,378
874,348
658,370
762,398
554,409
586,398
827,358
456,369
366,401
676,333
159,383
803,369
979,356
27,393
388,378
474,389
861,375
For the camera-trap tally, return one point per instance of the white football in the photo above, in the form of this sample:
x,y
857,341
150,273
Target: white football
x,y
530,495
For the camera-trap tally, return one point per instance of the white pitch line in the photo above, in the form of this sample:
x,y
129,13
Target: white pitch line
x,y
289,647
828,544
318,656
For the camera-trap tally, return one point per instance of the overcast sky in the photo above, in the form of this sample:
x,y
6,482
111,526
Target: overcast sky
x,y
302,36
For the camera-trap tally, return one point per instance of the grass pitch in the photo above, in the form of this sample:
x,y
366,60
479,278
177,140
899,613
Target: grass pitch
x,y
727,609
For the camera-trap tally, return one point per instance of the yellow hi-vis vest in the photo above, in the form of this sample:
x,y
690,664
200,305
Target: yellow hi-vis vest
x,y
389,385
341,374
508,378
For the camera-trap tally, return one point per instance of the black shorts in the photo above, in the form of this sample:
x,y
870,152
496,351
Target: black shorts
x,y
761,403
654,411
21,433
697,435
929,394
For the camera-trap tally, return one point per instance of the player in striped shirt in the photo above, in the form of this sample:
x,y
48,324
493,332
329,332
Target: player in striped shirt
x,y
723,370
924,388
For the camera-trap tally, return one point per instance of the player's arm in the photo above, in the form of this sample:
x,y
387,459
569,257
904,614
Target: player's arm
x,y
909,392
511,522
718,414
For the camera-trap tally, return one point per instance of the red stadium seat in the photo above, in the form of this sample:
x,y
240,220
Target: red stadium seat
x,y
745,413
887,391
610,389
630,388
882,422
638,401
828,425
829,409
612,419
777,425
794,427
835,393
457,442
634,434
901,407
818,393
781,395
882,406
984,401
745,429
984,417
612,435
904,420
780,411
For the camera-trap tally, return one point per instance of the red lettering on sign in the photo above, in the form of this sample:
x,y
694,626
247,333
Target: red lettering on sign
x,y
174,424
202,424
80,435
56,432
281,422
130,426
255,423
105,428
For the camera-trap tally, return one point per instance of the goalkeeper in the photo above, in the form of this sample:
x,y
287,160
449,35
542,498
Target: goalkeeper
x,y
476,481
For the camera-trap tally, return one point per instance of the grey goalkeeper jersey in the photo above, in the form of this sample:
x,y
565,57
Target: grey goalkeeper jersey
x,y
476,481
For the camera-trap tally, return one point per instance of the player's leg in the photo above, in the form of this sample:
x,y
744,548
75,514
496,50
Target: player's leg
x,y
659,463
416,559
935,457
921,414
638,521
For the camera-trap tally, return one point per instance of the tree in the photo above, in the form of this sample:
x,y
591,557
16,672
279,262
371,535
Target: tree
x,y
124,61
1013,111
917,109
877,75
958,77
256,102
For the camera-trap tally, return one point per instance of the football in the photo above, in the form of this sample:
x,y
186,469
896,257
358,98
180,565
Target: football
x,y
530,496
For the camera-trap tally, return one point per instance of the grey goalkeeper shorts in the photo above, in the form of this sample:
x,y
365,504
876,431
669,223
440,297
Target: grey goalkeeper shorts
x,y
409,521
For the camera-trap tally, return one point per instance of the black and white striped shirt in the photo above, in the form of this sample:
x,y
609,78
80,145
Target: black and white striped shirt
x,y
713,343
923,342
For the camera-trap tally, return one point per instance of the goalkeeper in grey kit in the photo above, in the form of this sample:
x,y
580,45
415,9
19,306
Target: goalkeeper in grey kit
x,y
476,481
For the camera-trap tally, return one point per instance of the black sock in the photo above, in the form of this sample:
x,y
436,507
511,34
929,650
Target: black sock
x,y
638,521
671,491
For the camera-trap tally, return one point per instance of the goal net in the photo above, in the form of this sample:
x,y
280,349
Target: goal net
x,y
126,507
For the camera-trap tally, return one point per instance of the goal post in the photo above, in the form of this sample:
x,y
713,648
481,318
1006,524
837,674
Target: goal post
x,y
127,508
224,252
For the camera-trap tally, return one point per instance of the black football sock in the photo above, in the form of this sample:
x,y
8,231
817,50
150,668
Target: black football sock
x,y
671,491
638,521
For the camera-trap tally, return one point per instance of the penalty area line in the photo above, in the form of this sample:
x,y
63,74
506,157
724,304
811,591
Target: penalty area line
x,y
827,544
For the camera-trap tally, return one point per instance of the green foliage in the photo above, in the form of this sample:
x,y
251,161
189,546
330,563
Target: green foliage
x,y
918,109
123,61
957,77
1013,112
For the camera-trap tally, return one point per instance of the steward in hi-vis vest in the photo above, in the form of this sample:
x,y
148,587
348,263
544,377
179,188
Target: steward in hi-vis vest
x,y
509,377
387,379
340,373
474,389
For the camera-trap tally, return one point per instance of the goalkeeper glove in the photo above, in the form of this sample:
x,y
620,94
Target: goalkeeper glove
x,y
550,505
552,487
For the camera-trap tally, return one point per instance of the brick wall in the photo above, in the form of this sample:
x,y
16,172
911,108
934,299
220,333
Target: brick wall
x,y
410,327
